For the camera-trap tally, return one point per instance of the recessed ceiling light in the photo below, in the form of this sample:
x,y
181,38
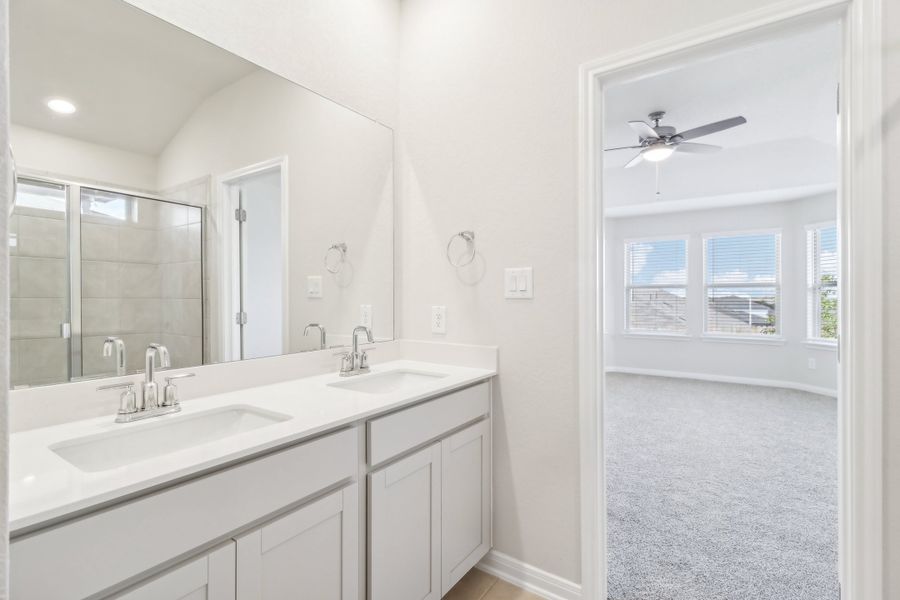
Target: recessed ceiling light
x,y
63,107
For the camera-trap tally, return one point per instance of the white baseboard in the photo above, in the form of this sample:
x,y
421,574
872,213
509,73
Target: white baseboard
x,y
791,385
530,578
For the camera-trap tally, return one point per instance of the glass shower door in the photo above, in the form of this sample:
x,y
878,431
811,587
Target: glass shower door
x,y
40,301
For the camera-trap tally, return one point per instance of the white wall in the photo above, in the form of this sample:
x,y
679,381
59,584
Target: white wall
x,y
340,183
786,362
53,154
5,189
343,49
488,130
891,293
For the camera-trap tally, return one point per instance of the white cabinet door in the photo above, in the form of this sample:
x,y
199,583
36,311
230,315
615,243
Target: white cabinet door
x,y
404,528
210,577
465,501
309,553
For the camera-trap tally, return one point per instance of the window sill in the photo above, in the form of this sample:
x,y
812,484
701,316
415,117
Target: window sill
x,y
768,340
821,344
682,337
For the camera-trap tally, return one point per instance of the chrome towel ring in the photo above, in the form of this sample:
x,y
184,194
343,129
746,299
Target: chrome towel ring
x,y
335,257
466,257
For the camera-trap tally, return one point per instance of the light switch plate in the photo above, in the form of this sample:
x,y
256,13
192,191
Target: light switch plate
x,y
438,319
365,315
313,286
518,283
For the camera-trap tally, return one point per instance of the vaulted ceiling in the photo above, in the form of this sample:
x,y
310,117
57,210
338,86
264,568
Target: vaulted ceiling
x,y
787,90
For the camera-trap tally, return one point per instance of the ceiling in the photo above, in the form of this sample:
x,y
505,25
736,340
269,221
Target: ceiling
x,y
134,78
787,90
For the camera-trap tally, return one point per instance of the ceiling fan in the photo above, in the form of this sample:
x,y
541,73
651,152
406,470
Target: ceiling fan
x,y
660,141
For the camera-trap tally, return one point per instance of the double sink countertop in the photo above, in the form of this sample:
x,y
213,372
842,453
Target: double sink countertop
x,y
45,487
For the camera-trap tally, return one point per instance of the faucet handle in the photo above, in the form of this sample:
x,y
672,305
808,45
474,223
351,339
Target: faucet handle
x,y
117,386
127,399
170,392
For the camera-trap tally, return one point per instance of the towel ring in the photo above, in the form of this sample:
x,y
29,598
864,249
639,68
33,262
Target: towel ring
x,y
468,257
335,257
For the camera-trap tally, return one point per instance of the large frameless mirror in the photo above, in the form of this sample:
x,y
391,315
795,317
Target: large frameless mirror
x,y
171,192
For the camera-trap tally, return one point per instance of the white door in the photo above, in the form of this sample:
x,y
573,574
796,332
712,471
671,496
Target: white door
x,y
405,528
309,553
210,577
465,501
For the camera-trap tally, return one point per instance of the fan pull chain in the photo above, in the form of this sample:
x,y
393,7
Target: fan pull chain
x,y
657,181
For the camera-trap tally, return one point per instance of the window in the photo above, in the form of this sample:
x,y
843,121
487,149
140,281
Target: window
x,y
742,284
822,282
656,286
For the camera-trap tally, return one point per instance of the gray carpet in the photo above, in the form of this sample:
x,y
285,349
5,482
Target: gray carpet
x,y
720,491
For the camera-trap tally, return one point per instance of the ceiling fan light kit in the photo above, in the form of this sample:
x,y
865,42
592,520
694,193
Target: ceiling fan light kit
x,y
658,142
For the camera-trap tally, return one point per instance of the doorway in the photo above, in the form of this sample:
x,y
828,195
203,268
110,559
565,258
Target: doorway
x,y
859,290
255,262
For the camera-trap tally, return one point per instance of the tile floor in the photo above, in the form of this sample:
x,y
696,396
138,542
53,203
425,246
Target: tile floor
x,y
478,585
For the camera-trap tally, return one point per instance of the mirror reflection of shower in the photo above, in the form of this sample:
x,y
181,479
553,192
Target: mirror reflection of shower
x,y
97,276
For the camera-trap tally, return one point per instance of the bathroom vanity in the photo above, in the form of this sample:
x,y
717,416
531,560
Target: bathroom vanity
x,y
377,486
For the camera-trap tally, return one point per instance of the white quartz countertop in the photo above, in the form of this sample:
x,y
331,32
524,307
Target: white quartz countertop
x,y
44,487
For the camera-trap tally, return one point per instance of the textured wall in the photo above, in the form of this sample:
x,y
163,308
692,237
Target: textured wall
x,y
891,30
5,185
488,130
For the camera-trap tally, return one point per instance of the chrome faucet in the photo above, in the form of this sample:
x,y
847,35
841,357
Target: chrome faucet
x,y
356,362
132,408
151,390
119,345
321,333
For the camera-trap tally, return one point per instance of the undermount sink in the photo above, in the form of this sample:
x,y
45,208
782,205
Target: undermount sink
x,y
387,382
109,450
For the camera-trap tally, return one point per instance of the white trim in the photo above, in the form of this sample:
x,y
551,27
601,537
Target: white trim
x,y
773,383
528,577
227,251
657,335
770,340
861,352
823,344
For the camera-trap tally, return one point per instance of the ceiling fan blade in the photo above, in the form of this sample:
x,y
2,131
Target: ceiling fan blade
x,y
634,161
695,148
623,148
696,132
644,131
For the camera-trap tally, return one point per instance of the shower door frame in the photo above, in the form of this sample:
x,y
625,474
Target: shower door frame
x,y
73,189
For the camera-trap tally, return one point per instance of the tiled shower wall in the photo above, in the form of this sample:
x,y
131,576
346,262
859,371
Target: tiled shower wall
x,y
141,281
38,296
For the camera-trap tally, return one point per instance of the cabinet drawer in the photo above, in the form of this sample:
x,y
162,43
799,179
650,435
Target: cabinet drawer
x,y
395,433
117,545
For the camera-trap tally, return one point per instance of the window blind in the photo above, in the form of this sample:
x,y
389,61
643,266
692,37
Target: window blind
x,y
742,284
822,282
656,286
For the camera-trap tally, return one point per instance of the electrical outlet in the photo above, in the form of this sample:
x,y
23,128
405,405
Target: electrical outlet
x,y
812,364
438,319
314,286
365,315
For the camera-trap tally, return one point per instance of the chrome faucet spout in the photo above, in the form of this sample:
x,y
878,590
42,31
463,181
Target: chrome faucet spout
x,y
117,343
150,389
322,344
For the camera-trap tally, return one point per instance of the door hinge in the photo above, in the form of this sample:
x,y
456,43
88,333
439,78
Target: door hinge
x,y
240,318
240,215
65,330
